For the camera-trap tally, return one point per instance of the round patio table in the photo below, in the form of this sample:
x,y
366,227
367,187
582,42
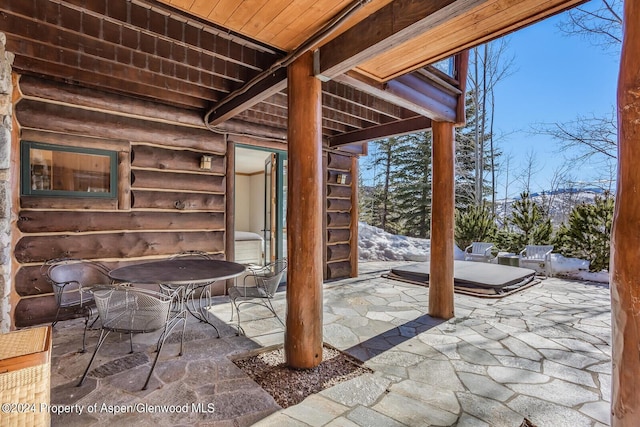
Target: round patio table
x,y
192,274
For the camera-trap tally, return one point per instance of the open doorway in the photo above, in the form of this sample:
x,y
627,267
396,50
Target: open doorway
x,y
260,205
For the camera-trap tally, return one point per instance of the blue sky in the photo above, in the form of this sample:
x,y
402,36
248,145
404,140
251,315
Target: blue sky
x,y
556,78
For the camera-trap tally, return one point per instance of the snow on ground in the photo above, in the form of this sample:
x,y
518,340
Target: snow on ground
x,y
376,244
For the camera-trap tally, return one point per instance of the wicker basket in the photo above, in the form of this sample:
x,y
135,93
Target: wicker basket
x,y
25,377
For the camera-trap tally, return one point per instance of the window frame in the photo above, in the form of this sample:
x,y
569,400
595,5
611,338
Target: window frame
x,y
25,171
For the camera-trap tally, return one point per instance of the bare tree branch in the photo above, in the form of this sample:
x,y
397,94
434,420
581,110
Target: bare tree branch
x,y
586,138
600,21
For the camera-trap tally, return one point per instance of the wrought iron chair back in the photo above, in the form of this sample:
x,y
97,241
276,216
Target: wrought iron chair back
x,y
72,280
258,287
192,254
126,309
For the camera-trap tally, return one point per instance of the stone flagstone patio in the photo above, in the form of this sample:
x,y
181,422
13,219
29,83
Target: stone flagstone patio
x,y
543,354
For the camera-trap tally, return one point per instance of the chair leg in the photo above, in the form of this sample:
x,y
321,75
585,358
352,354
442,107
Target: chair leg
x,y
87,326
163,337
84,336
184,327
274,312
56,319
234,303
103,337
155,360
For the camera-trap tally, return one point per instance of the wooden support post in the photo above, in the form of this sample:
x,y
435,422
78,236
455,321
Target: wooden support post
x,y
230,202
230,206
625,239
442,202
303,335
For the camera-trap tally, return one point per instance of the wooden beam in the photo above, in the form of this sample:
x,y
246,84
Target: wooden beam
x,y
394,24
303,334
482,22
407,93
400,127
625,291
443,197
438,104
462,69
361,99
240,101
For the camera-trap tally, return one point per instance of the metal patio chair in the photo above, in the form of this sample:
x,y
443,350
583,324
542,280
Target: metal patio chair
x,y
196,297
127,309
478,251
197,292
192,254
72,280
258,287
538,257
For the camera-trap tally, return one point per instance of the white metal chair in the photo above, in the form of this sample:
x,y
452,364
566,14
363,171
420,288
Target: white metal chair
x,y
478,251
258,287
126,309
72,280
538,257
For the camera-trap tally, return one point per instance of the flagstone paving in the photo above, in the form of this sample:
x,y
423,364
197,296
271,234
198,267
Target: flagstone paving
x,y
543,353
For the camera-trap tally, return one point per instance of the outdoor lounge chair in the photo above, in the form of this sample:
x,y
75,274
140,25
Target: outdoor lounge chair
x,y
478,251
538,257
72,280
258,287
126,309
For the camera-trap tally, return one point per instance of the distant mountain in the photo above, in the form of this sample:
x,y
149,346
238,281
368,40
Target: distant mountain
x,y
559,202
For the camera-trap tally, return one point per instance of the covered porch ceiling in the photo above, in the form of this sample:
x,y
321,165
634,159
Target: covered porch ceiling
x,y
225,60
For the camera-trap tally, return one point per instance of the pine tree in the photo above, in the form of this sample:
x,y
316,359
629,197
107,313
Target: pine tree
x,y
474,224
588,233
528,224
412,190
378,199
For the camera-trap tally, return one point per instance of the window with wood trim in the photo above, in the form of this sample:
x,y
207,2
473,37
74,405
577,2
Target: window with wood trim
x,y
64,171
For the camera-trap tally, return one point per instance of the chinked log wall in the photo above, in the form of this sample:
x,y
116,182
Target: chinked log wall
x,y
166,203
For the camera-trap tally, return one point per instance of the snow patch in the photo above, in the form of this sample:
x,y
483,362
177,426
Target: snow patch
x,y
376,244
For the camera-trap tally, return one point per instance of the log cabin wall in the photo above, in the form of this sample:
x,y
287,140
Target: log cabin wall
x,y
341,216
165,204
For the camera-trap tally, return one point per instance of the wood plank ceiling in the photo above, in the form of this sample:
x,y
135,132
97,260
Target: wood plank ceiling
x,y
207,55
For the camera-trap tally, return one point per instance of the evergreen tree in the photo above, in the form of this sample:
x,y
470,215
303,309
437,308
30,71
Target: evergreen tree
x,y
474,224
588,233
365,201
412,190
378,199
528,224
